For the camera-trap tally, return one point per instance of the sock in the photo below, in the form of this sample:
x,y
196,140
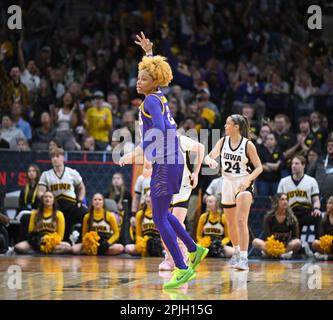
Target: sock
x,y
167,231
243,254
237,249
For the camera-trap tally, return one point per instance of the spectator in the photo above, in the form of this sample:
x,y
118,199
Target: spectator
x,y
250,92
303,194
28,200
305,140
66,120
12,87
56,80
22,145
44,103
53,144
303,95
129,122
9,132
44,134
89,144
118,191
265,130
283,225
322,171
249,112
276,94
121,142
320,132
18,122
113,100
285,138
272,161
326,90
312,157
98,122
29,76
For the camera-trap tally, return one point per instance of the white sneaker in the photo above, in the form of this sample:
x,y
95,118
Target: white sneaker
x,y
320,256
74,237
287,255
263,254
243,264
10,251
167,264
233,262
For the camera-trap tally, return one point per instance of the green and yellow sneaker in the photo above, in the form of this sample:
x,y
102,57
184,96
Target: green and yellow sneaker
x,y
197,256
179,277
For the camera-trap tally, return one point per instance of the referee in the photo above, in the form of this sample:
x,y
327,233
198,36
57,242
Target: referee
x,y
67,186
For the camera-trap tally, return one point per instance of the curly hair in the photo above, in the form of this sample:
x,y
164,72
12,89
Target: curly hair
x,y
158,68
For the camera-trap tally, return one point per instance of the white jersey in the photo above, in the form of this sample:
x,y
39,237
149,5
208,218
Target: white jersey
x,y
215,187
185,190
63,186
142,186
235,162
299,193
185,144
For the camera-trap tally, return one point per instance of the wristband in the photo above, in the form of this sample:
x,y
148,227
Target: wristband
x,y
149,55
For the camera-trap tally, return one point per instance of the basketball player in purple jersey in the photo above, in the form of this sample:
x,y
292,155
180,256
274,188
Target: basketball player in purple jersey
x,y
160,145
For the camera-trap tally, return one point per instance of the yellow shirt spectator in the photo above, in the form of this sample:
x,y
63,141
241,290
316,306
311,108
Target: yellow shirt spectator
x,y
99,123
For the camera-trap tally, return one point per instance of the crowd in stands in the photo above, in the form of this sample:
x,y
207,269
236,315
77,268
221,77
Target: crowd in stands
x,y
74,85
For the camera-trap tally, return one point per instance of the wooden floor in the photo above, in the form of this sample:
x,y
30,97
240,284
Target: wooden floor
x,y
80,278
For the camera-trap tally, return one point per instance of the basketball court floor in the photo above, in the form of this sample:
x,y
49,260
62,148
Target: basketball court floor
x,y
122,278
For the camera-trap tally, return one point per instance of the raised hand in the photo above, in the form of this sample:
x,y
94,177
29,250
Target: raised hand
x,y
144,43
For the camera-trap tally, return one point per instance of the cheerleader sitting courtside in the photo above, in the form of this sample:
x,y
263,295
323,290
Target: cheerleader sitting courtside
x,y
212,231
281,230
99,231
324,245
46,229
148,240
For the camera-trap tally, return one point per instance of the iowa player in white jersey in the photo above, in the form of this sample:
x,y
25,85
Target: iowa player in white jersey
x,y
240,167
180,200
67,186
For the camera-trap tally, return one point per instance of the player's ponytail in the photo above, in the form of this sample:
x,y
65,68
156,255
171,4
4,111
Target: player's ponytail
x,y
243,123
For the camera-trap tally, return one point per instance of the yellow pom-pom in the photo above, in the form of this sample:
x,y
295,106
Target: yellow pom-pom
x,y
49,242
205,241
141,245
90,243
326,243
274,248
